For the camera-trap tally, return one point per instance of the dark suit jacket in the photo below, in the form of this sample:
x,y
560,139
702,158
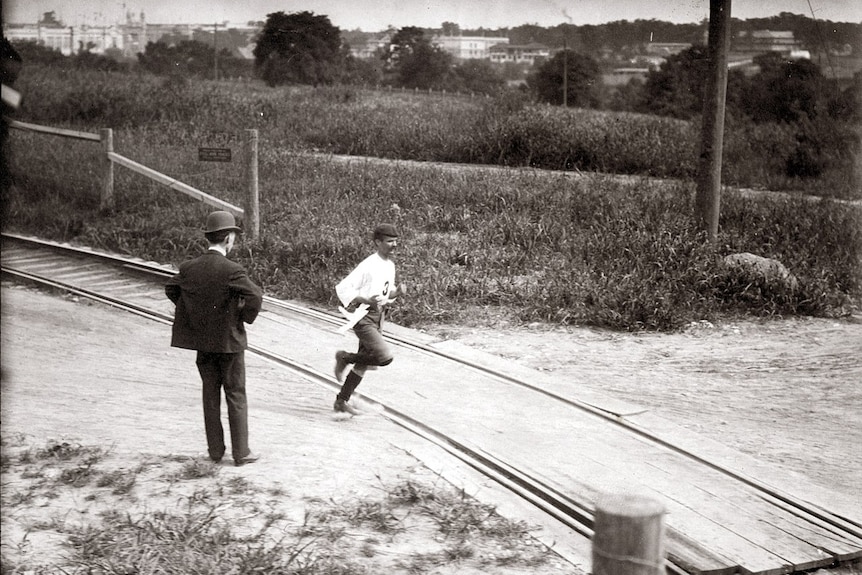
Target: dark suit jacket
x,y
214,298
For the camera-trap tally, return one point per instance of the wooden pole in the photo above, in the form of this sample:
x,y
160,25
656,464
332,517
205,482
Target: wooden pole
x,y
565,74
708,199
628,536
106,203
215,51
252,207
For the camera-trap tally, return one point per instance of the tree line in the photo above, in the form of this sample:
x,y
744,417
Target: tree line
x,y
306,48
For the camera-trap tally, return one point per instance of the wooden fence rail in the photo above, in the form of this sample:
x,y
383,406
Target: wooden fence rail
x,y
55,131
175,184
106,138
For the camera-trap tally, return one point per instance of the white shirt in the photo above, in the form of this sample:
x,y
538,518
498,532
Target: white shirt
x,y
374,276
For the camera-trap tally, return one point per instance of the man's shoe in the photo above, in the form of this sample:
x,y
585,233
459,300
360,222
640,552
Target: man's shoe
x,y
340,365
342,406
250,458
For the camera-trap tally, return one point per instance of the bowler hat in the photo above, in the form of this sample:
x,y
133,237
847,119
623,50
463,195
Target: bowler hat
x,y
385,230
218,221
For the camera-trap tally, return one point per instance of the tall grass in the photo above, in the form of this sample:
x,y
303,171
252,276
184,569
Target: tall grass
x,y
524,245
184,516
505,131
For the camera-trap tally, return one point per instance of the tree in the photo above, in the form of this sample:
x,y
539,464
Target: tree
x,y
403,43
676,88
784,90
362,72
300,48
32,52
50,19
450,29
415,62
477,76
187,58
582,80
847,106
425,67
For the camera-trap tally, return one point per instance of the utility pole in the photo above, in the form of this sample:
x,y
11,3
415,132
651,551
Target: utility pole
x,y
565,73
708,199
215,51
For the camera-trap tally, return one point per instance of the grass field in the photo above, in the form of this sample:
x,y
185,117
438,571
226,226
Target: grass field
x,y
88,511
576,246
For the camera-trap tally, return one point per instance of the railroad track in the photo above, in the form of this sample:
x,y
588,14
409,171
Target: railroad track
x,y
723,517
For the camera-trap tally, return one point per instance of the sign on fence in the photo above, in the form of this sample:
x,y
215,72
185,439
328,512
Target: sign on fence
x,y
250,214
214,154
216,146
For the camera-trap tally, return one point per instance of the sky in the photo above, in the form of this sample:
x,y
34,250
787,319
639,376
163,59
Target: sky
x,y
375,15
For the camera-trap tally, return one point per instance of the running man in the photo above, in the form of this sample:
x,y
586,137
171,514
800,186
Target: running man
x,y
370,284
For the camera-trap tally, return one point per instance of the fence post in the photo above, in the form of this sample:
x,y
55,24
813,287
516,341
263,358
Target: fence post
x,y
106,202
251,208
628,536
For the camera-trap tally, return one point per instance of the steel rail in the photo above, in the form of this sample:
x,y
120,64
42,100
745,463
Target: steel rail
x,y
571,513
783,499
554,503
550,501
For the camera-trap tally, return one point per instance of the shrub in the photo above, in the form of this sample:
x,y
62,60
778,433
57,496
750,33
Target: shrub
x,y
587,249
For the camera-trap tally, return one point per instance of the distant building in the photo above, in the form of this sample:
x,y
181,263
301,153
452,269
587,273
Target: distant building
x,y
519,54
67,39
468,47
761,41
665,49
622,76
371,47
130,37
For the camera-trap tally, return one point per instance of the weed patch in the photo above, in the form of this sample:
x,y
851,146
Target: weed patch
x,y
120,521
530,245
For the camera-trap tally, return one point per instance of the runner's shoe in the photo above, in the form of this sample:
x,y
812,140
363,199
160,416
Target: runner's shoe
x,y
340,365
342,406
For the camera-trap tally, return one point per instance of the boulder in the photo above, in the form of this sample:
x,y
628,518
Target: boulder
x,y
759,267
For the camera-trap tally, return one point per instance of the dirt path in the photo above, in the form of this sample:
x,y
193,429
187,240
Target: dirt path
x,y
788,392
85,374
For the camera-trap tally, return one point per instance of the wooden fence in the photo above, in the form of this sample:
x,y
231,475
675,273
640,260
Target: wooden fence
x,y
628,530
249,214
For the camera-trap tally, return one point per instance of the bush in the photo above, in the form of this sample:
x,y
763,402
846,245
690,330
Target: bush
x,y
505,130
534,245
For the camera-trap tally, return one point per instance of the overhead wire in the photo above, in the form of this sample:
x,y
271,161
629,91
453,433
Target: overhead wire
x,y
823,46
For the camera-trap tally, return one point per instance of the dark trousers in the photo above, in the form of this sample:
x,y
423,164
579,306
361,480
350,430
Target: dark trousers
x,y
224,371
373,349
373,352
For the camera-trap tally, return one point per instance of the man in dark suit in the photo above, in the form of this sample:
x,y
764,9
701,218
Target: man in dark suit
x,y
215,298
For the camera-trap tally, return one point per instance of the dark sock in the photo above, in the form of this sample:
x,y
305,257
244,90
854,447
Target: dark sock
x,y
350,385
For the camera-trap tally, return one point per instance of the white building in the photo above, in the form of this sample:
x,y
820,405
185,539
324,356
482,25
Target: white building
x,y
760,41
372,47
130,37
67,39
468,47
519,54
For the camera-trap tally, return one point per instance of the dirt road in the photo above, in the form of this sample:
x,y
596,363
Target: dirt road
x,y
787,392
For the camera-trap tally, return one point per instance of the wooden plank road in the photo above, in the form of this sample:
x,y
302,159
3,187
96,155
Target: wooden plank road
x,y
716,524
